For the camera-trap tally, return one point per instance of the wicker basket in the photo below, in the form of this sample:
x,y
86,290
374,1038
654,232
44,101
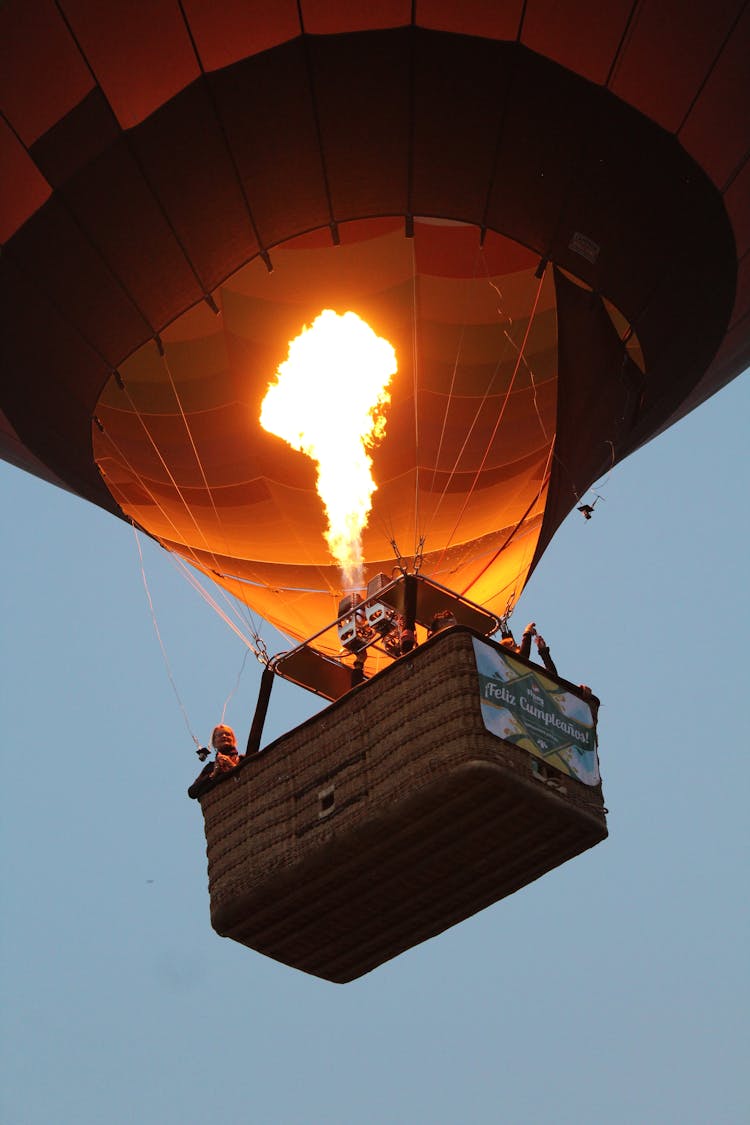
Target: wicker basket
x,y
384,820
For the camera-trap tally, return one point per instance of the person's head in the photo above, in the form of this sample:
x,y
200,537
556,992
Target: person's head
x,y
223,740
442,620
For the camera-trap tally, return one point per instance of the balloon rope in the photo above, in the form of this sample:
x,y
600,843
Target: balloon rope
x,y
172,480
526,364
497,423
137,477
467,436
525,566
478,411
506,543
193,446
249,620
258,648
194,557
446,412
233,692
595,485
161,642
199,463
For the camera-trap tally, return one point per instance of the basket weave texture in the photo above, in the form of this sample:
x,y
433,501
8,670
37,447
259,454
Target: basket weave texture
x,y
384,820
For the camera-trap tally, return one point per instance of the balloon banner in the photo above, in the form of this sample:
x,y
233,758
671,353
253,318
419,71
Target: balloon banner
x,y
532,711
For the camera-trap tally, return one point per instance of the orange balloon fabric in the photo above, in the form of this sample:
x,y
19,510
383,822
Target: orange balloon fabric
x,y
464,466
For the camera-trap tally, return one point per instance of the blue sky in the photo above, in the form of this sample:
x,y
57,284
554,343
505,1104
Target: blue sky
x,y
613,990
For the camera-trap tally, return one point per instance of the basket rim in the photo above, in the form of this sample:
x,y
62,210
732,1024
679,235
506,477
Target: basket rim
x,y
379,678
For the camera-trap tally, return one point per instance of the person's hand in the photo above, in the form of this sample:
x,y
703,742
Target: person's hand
x,y
540,643
530,628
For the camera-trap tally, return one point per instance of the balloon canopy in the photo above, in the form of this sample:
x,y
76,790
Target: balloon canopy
x,y
547,219
466,459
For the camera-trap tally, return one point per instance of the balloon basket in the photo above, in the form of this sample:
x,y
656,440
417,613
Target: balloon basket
x,y
387,818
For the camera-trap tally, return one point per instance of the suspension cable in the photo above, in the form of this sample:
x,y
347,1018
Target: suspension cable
x,y
257,645
524,568
199,463
141,480
232,693
232,606
169,473
241,591
248,616
161,642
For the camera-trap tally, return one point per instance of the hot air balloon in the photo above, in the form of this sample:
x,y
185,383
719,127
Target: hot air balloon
x,y
542,208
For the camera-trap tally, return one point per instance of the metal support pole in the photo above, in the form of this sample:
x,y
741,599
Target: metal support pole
x,y
408,631
261,707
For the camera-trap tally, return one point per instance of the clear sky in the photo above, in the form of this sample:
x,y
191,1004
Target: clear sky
x,y
613,990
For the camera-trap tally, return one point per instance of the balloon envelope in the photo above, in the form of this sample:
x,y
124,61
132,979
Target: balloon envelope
x,y
551,229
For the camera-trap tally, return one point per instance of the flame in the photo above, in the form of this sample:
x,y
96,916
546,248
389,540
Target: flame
x,y
329,402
